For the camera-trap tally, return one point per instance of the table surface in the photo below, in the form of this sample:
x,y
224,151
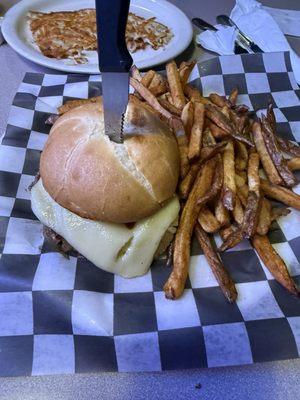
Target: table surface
x,y
276,380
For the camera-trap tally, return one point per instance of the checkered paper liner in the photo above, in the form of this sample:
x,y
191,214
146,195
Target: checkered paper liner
x,y
65,316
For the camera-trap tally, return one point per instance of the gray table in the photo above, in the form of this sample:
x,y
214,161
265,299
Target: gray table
x,y
276,380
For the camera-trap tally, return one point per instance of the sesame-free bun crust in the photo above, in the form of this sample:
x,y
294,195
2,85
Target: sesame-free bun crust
x,y
86,173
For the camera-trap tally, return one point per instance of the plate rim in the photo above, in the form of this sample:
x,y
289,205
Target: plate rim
x,y
13,39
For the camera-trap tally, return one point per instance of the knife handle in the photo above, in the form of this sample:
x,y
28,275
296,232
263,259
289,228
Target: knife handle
x,y
111,27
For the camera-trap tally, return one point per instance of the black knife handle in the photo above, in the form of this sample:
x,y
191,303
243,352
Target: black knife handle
x,y
111,27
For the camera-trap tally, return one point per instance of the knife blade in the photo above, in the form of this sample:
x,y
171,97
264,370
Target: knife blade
x,y
114,63
203,25
226,20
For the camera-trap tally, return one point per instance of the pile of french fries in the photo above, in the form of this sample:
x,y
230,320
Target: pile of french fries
x,y
232,163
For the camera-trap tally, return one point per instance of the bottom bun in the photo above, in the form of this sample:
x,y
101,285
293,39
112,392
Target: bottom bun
x,y
113,247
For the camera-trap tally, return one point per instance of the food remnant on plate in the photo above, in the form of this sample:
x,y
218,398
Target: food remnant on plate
x,y
68,34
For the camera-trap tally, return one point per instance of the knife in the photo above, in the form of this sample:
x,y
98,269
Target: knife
x,y
114,63
225,20
203,25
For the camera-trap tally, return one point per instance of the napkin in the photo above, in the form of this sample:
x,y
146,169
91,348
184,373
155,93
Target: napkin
x,y
256,22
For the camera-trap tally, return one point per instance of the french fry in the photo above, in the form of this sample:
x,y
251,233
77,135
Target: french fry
x,y
227,231
158,85
271,117
208,138
187,182
218,100
169,107
175,85
150,98
196,132
229,186
238,212
69,105
185,70
226,284
251,214
265,158
216,131
240,180
253,175
264,218
194,94
147,78
182,142
187,117
221,213
233,239
278,212
169,98
288,146
135,73
233,96
174,286
208,221
242,193
276,155
241,158
225,110
210,151
294,163
274,263
279,193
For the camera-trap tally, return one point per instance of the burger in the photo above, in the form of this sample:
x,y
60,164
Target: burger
x,y
113,203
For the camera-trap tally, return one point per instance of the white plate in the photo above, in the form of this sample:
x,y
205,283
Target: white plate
x,y
17,34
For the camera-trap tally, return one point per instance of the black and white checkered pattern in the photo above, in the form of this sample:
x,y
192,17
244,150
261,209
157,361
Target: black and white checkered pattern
x,y
65,316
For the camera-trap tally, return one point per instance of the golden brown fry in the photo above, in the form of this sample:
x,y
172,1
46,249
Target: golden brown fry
x,y
221,213
147,78
175,85
69,105
174,286
251,214
210,151
182,142
135,73
218,118
216,131
218,100
276,155
150,98
187,117
274,263
265,158
233,239
195,143
208,221
194,94
229,186
278,212
208,139
225,111
241,158
187,183
185,70
242,192
169,98
226,284
158,85
288,146
271,117
253,175
169,107
294,163
226,232
240,180
238,212
279,193
264,218
233,96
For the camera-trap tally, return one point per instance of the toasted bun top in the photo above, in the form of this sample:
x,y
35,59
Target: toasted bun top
x,y
86,173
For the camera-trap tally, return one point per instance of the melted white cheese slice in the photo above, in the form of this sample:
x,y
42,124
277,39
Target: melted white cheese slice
x,y
112,247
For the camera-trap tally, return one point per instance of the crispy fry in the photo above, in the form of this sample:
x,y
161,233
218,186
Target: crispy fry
x,y
150,98
271,117
294,163
194,94
158,85
174,286
240,180
218,118
135,73
69,105
221,213
233,96
278,212
232,240
208,221
216,131
264,218
169,98
175,85
218,100
210,151
238,212
274,263
276,155
195,143
169,107
253,175
251,214
225,110
182,142
226,284
147,78
187,183
208,138
265,158
288,146
242,193
229,187
185,70
286,196
187,117
241,159
226,232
